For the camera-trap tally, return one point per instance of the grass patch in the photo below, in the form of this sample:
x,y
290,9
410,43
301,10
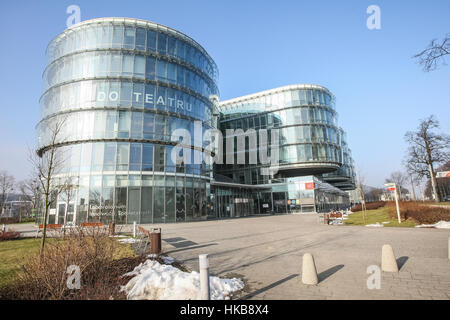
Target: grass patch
x,y
13,254
379,215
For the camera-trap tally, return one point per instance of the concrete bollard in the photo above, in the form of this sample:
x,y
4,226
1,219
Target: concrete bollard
x,y
388,262
309,272
134,229
204,276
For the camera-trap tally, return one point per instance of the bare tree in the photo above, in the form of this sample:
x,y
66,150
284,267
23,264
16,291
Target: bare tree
x,y
48,163
362,193
30,191
434,54
67,187
426,150
7,184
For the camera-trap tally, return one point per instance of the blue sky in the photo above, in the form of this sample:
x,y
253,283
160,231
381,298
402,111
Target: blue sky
x,y
381,92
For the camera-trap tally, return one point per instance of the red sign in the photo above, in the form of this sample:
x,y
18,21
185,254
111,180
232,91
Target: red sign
x,y
309,186
391,189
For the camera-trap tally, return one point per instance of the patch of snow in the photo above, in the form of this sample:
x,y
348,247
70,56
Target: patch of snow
x,y
168,260
440,225
155,281
374,225
128,240
386,222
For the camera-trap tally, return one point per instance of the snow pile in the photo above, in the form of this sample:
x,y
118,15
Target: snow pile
x,y
168,260
374,225
155,281
440,225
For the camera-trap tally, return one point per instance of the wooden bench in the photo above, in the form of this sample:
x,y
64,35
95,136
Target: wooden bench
x,y
92,224
336,216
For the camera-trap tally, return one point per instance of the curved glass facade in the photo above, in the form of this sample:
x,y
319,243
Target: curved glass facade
x,y
121,87
307,122
311,143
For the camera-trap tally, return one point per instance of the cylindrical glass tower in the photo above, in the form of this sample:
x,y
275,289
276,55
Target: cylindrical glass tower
x,y
122,86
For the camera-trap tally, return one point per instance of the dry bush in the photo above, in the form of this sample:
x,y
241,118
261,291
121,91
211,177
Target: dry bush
x,y
9,220
369,206
419,212
45,276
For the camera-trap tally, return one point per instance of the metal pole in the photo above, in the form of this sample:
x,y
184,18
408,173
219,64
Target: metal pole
x,y
396,204
204,276
134,229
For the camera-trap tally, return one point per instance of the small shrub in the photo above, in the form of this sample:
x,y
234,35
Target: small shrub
x,y
9,220
419,212
94,252
369,206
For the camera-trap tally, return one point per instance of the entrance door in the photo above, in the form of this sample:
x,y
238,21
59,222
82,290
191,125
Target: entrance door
x,y
61,213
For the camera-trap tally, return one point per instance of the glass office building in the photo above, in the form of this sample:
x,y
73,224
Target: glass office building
x,y
311,147
120,87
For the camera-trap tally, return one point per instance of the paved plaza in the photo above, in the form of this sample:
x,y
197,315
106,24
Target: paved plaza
x,y
266,252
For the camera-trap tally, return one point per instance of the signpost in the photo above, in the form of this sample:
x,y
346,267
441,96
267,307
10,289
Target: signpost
x,y
393,187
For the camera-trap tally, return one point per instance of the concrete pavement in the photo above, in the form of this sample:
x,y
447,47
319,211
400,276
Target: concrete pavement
x,y
267,253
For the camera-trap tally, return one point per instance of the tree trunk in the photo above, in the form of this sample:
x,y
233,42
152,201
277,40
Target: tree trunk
x,y
437,198
412,187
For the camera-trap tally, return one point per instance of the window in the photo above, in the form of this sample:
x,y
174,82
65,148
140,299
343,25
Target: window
x,y
160,125
117,37
172,72
149,128
129,38
136,125
135,157
124,124
180,49
159,158
139,66
125,93
109,156
161,70
127,65
160,98
140,38
149,97
162,43
147,157
122,156
171,46
111,125
138,95
150,68
115,64
158,211
151,40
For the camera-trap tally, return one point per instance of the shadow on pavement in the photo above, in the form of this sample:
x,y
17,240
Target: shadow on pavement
x,y
401,262
329,272
189,248
270,286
